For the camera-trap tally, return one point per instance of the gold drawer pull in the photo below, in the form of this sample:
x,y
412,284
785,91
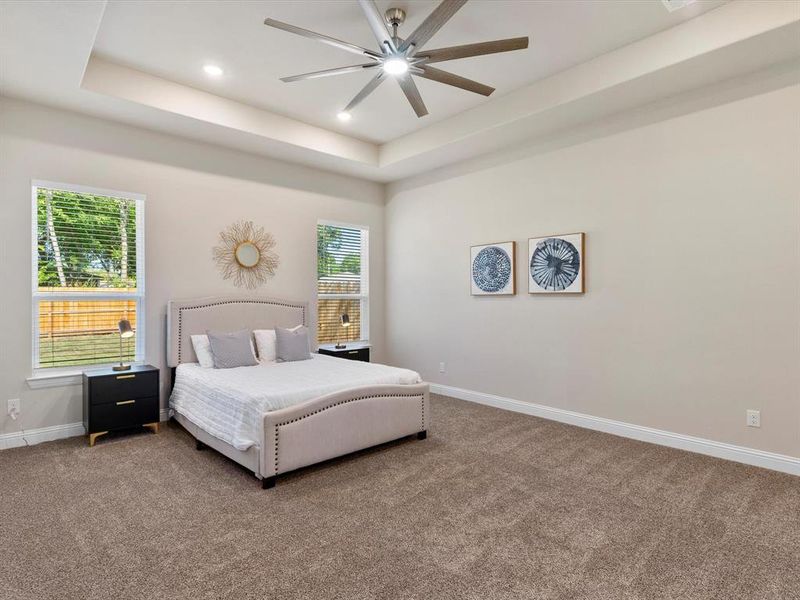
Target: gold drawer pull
x,y
132,376
126,402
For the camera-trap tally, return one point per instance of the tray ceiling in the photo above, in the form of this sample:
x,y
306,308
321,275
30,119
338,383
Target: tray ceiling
x,y
174,40
141,63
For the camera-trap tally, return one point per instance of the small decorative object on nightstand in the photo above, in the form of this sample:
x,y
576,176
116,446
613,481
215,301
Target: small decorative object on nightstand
x,y
345,321
114,400
354,351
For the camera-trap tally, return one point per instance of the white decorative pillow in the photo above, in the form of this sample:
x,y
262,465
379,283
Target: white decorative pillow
x,y
202,348
266,343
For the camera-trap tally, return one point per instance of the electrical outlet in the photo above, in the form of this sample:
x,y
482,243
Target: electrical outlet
x,y
441,367
14,407
754,418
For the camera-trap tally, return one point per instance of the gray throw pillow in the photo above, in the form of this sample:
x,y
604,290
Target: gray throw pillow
x,y
292,344
232,349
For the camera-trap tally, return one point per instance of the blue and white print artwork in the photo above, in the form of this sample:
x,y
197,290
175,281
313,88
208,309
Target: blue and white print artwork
x,y
492,269
555,264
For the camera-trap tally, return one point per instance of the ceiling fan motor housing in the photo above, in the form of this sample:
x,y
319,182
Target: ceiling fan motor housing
x,y
395,16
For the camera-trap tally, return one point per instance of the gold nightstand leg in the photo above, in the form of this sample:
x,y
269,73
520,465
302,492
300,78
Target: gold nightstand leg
x,y
94,436
153,426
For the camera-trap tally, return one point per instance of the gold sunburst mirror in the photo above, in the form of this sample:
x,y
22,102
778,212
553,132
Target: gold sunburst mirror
x,y
245,254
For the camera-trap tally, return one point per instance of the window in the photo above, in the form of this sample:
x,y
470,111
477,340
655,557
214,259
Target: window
x,y
342,282
88,274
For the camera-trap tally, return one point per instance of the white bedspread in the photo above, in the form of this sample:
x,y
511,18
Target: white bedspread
x,y
230,403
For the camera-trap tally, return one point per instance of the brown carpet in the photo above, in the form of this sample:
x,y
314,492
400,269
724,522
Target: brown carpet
x,y
492,505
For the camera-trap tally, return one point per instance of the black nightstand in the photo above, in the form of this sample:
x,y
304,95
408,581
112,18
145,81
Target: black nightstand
x,y
354,351
120,400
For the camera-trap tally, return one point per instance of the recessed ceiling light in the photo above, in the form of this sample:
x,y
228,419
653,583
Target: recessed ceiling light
x,y
344,116
673,5
212,70
395,66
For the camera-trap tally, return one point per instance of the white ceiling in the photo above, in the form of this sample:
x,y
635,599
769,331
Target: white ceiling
x,y
174,40
571,76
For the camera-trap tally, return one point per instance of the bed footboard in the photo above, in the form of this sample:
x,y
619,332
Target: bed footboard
x,y
341,423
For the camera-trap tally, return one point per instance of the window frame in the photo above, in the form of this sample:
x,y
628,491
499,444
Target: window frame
x,y
53,375
364,295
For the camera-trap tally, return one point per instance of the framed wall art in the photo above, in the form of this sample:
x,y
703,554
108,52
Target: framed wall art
x,y
556,264
492,269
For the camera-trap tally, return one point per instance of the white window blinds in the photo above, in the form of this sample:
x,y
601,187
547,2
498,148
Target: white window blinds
x,y
342,283
88,275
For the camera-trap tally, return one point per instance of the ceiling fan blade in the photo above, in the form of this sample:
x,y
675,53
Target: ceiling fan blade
x,y
468,50
440,15
328,72
321,38
412,93
377,24
455,80
368,89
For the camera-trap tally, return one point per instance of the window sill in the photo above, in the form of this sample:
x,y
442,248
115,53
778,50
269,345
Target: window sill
x,y
50,378
47,379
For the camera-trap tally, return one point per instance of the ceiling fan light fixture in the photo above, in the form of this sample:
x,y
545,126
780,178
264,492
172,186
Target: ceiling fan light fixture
x,y
344,116
395,66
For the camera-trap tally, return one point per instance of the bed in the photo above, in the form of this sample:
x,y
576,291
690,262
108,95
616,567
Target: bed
x,y
279,417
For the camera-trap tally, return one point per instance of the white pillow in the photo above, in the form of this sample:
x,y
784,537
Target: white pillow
x,y
266,343
202,348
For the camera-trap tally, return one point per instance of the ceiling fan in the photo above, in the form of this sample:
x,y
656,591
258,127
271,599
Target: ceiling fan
x,y
402,58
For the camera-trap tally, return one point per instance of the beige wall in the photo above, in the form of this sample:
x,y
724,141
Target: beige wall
x,y
692,313
193,190
692,310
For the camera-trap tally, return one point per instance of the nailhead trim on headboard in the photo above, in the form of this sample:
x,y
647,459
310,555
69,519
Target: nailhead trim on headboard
x,y
222,302
311,414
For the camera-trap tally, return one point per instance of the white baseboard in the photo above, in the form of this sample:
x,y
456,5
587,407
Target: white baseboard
x,y
30,437
749,456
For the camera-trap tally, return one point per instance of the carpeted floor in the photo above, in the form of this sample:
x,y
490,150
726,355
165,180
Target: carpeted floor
x,y
492,505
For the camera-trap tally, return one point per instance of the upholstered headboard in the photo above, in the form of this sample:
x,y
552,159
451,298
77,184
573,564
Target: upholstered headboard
x,y
224,313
